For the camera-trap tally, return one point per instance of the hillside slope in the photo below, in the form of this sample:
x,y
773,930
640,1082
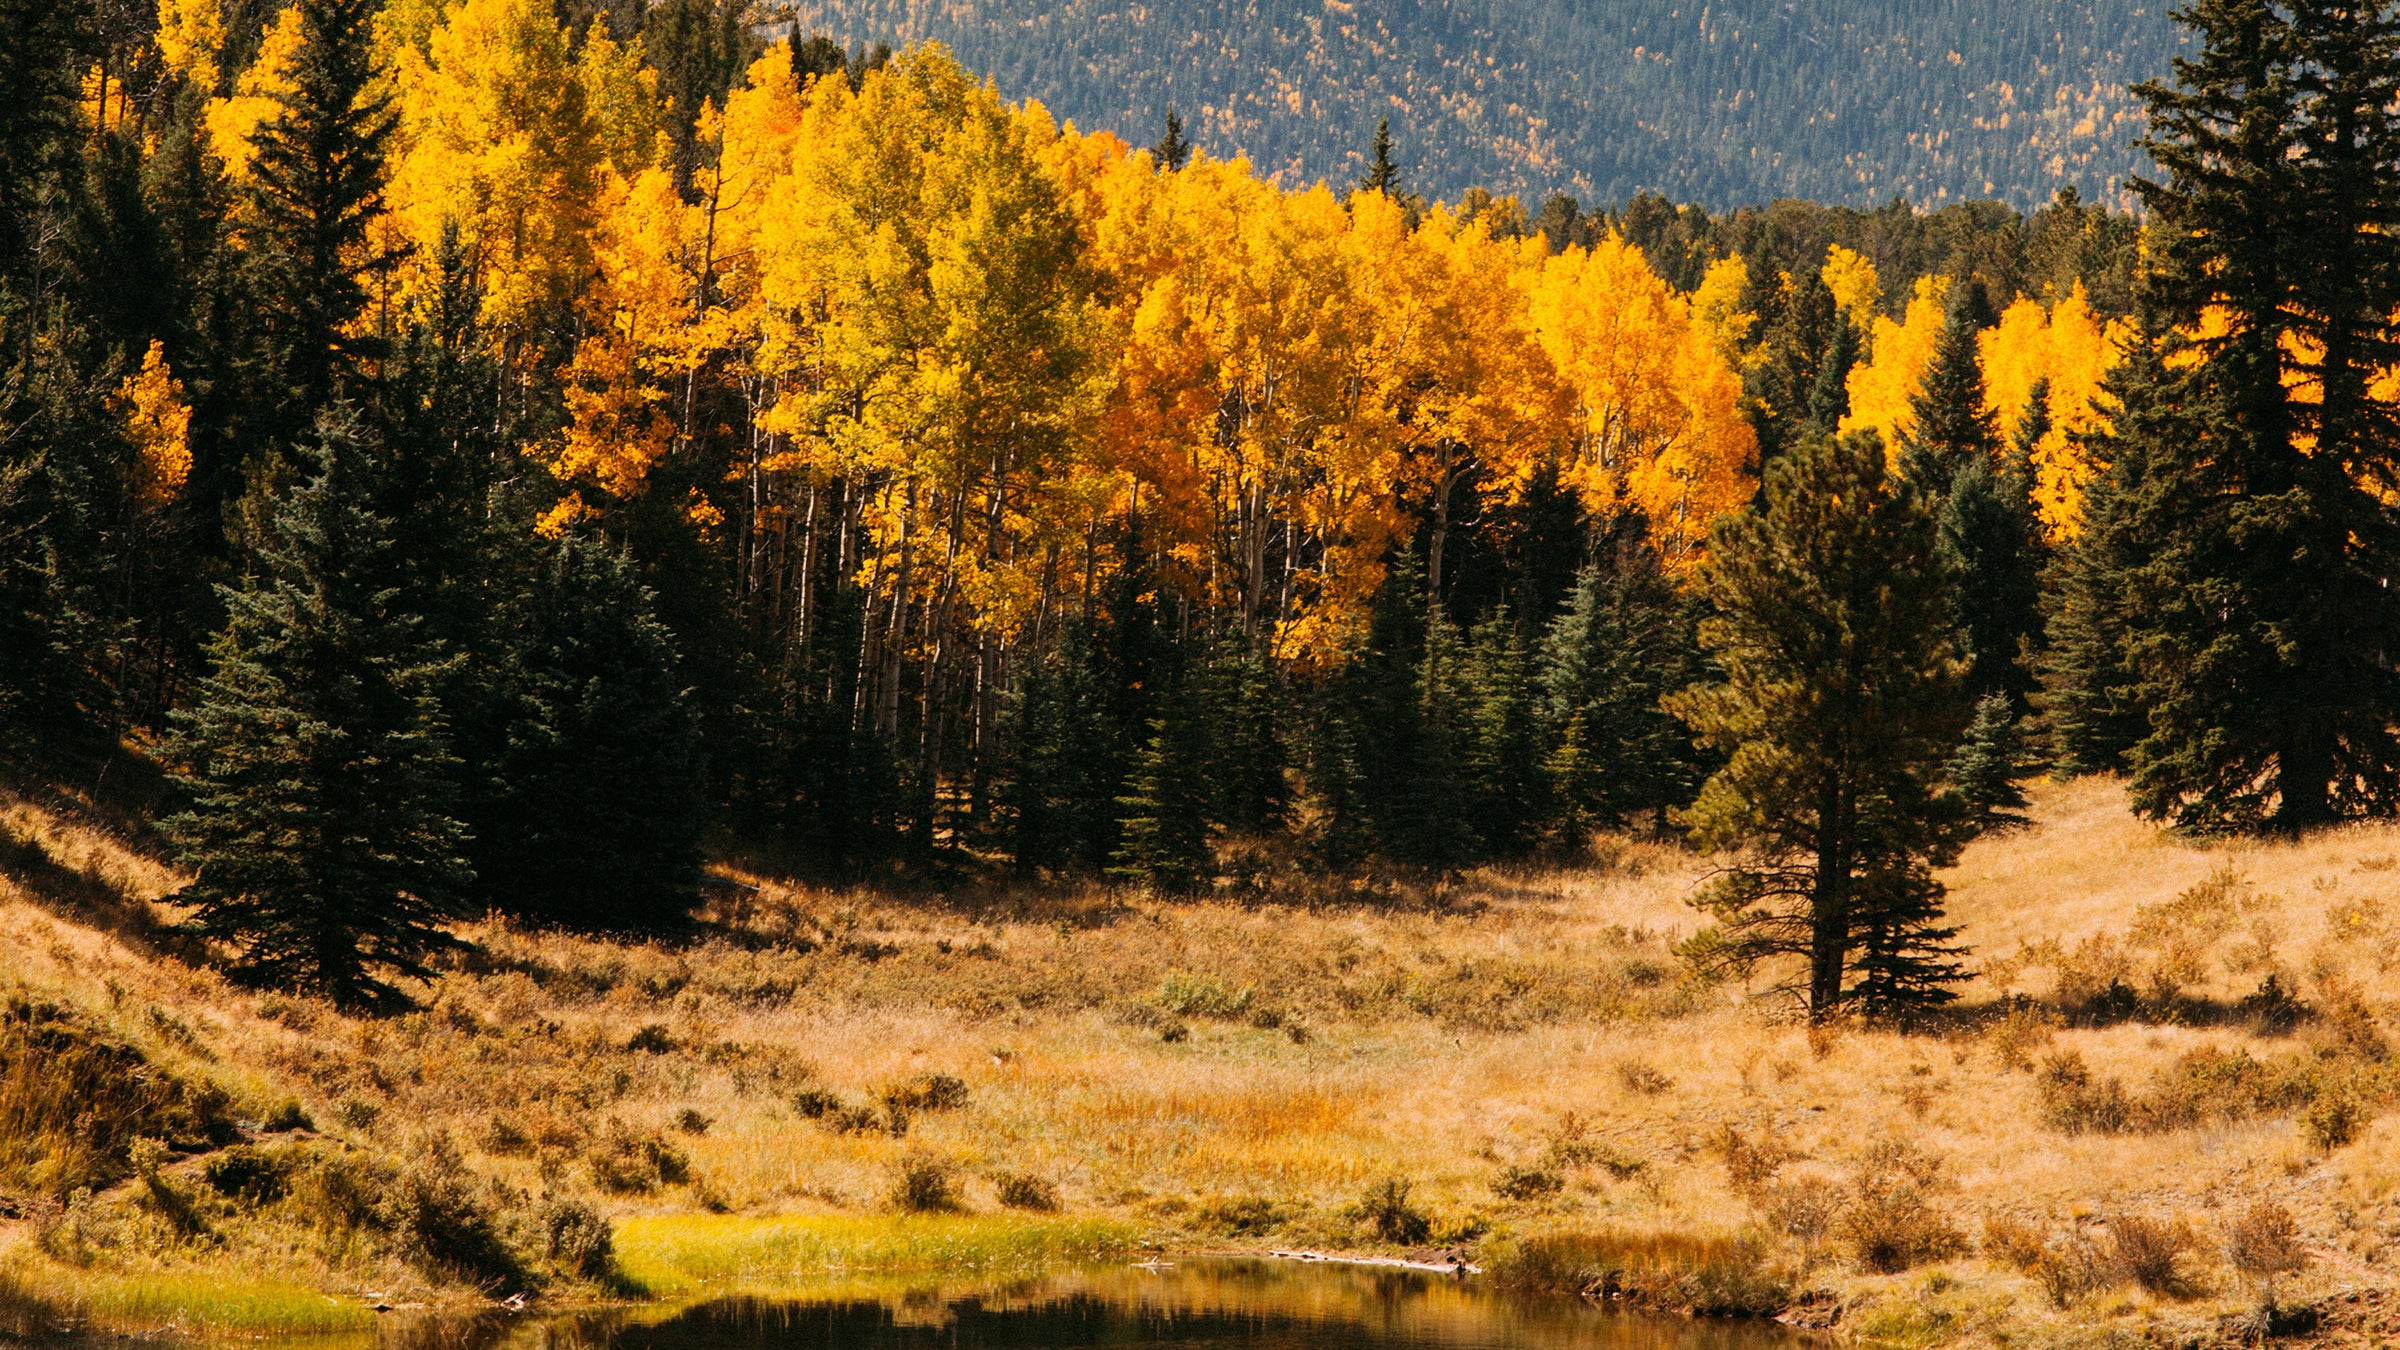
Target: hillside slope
x,y
1079,1070
1721,102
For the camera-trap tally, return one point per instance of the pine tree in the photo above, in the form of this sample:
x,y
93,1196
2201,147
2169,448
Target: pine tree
x,y
1829,397
1840,701
1241,710
1989,762
316,760
1382,175
1992,536
2266,639
318,170
1163,831
2091,691
39,69
591,812
1507,787
699,49
1172,151
1952,427
1066,770
1623,641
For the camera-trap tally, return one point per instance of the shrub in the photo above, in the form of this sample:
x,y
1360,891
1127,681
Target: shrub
x,y
2271,1009
577,1240
814,1103
1530,1181
2332,1121
1892,1221
2073,1103
1024,1190
2069,1266
691,1122
923,1184
1802,1208
502,1138
2262,1241
1749,1165
356,1113
286,1118
2151,1252
2012,1242
2014,1038
631,1163
440,1221
247,1174
1190,995
928,1092
1387,1213
652,1039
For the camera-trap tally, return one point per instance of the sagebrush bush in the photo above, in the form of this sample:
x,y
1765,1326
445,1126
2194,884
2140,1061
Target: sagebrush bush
x,y
2263,1241
1892,1221
1387,1213
923,1183
1241,1215
577,1240
1024,1190
2152,1253
1527,1181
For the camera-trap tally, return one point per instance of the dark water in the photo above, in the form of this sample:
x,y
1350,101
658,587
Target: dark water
x,y
1191,1305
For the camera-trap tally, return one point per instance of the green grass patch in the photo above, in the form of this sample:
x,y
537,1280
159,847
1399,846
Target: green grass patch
x,y
667,1253
174,1300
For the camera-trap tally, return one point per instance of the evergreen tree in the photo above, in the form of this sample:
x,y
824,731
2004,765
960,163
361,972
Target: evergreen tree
x,y
1952,428
699,49
1240,703
1382,175
316,761
1067,768
1800,333
1172,151
1989,762
1163,831
1992,536
1829,397
2265,635
1623,641
1840,701
318,170
590,814
40,71
1507,786
2091,692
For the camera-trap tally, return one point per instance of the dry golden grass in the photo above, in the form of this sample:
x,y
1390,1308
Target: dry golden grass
x,y
1524,1049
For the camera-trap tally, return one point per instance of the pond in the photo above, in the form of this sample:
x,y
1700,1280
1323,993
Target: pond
x,y
1189,1304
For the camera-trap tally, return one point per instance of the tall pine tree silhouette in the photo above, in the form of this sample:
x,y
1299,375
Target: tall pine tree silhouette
x,y
319,773
2267,643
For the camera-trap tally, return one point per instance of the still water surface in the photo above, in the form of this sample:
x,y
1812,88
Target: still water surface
x,y
1206,1304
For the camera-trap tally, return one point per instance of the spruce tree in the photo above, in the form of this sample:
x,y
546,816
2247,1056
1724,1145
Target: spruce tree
x,y
1241,711
1841,698
1382,175
1066,771
1507,786
2265,640
318,174
316,761
1989,761
1623,641
1172,151
590,815
1992,536
2092,699
1951,428
1163,828
1829,396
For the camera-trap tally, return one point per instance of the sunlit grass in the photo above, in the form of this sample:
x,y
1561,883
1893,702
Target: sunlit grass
x,y
160,1301
667,1253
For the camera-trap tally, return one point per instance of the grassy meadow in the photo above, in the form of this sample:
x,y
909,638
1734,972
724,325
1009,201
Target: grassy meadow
x,y
2166,1043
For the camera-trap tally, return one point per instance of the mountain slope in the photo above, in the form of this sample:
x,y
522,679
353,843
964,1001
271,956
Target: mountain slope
x,y
1722,102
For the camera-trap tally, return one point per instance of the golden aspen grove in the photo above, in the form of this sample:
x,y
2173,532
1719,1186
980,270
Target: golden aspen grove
x,y
646,657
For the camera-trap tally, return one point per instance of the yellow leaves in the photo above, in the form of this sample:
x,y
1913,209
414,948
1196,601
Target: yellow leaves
x,y
622,94
1856,291
1658,426
191,39
232,122
1717,308
2070,347
1882,387
498,138
159,424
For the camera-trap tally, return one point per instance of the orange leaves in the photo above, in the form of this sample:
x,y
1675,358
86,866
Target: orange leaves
x,y
1658,425
1882,387
231,122
2069,346
191,39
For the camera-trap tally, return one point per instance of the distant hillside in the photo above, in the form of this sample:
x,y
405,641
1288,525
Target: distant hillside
x,y
1723,102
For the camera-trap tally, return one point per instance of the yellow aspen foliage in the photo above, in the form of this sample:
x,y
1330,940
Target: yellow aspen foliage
x,y
622,93
2068,345
1856,290
1882,387
1717,308
1657,425
104,102
231,122
191,40
497,139
159,424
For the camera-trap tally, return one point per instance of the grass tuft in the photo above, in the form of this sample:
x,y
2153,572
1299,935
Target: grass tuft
x,y
667,1254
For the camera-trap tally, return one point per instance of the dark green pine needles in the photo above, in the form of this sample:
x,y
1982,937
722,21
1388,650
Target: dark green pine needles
x,y
316,758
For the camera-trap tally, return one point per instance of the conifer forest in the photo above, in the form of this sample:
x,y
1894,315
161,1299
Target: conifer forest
x,y
462,456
